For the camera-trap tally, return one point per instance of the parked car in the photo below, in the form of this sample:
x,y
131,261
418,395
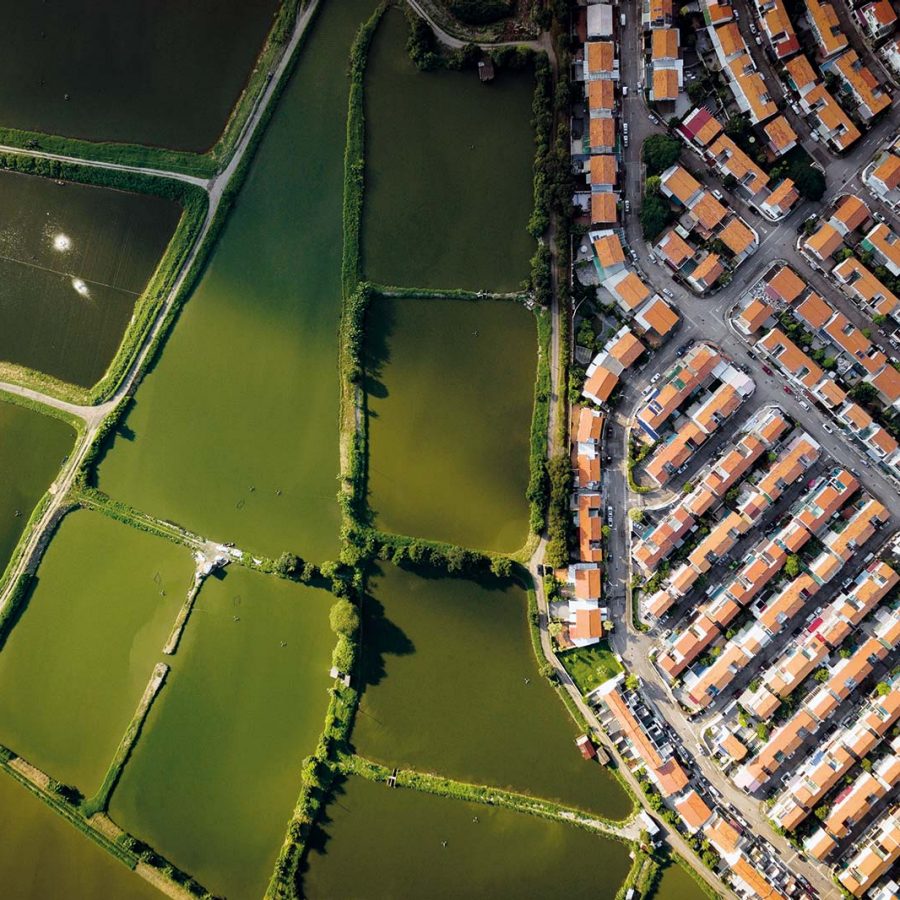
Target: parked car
x,y
668,293
827,427
804,405
787,390
879,217
656,378
627,207
718,194
767,370
624,90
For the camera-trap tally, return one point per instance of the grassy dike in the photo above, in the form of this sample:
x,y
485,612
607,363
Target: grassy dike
x,y
204,165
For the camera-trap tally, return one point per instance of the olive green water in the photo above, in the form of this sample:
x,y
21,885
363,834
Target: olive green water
x,y
677,884
452,687
32,449
216,773
73,261
448,172
378,842
235,433
451,390
160,72
76,664
42,856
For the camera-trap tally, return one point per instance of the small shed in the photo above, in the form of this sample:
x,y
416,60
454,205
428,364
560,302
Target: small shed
x,y
486,69
586,746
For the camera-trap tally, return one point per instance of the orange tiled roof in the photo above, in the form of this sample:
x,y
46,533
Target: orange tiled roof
x,y
786,284
681,184
801,72
888,171
827,25
626,349
755,314
603,169
708,211
780,134
604,208
601,95
862,82
709,270
632,290
664,43
665,84
736,236
603,133
660,316
739,164
601,384
814,310
600,56
824,241
675,248
609,251
851,212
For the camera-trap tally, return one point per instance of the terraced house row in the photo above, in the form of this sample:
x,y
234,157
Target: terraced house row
x,y
851,357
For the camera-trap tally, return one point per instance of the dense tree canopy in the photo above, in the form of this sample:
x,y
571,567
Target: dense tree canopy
x,y
659,152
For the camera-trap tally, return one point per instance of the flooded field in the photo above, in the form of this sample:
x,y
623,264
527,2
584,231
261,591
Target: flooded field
x,y
76,663
160,72
448,172
677,884
42,856
32,447
256,345
450,392
216,773
437,847
452,687
73,261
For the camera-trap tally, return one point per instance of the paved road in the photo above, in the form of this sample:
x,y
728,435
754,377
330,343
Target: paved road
x,y
94,416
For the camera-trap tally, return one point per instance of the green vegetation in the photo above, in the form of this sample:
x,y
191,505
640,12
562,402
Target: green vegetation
x,y
659,151
799,166
590,666
480,12
656,213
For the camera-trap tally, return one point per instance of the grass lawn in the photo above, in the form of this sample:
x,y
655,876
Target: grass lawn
x,y
590,666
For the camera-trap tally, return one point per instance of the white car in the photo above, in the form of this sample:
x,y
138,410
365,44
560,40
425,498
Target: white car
x,y
804,404
828,428
656,378
668,293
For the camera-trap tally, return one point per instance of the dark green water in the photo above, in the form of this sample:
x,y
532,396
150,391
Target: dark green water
x,y
43,857
451,391
32,448
452,688
73,261
216,773
76,664
378,842
448,172
163,72
677,884
235,433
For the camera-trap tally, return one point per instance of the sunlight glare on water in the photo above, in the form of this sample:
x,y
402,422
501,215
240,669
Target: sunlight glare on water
x,y
81,287
62,243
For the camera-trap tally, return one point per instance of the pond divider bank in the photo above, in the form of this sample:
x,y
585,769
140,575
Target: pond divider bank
x,y
447,787
100,801
132,853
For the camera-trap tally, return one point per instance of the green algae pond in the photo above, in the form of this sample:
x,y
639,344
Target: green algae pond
x,y
676,883
448,172
376,842
452,687
32,450
450,387
78,659
234,434
74,258
216,772
43,856
160,72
